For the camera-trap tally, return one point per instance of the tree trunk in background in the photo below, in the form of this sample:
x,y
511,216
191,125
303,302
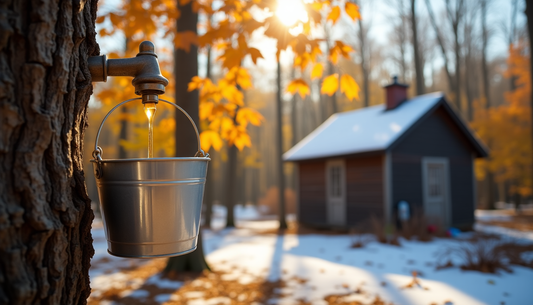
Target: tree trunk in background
x,y
332,98
123,134
209,195
231,194
364,63
279,150
455,19
529,15
45,212
440,40
419,69
185,68
484,45
294,102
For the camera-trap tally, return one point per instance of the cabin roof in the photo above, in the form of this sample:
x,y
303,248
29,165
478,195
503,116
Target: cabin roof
x,y
372,129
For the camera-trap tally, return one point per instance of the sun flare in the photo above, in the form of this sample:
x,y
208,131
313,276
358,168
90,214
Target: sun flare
x,y
291,11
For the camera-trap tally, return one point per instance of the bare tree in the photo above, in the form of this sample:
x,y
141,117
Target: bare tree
x,y
442,47
419,68
363,47
485,42
529,14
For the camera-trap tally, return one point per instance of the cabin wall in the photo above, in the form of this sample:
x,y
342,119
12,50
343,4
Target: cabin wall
x,y
364,189
312,193
435,136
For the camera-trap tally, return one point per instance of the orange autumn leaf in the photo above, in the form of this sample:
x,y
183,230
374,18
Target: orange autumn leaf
x,y
352,10
300,86
210,138
184,40
330,84
255,54
339,49
248,115
317,71
349,87
334,14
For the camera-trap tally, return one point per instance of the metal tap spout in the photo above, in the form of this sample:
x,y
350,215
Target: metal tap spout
x,y
144,68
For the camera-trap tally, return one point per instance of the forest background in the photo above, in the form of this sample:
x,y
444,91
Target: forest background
x,y
476,52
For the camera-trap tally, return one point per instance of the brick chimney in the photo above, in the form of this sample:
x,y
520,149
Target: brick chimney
x,y
396,93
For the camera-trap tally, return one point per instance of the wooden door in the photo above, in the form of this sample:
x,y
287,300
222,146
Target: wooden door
x,y
336,192
435,186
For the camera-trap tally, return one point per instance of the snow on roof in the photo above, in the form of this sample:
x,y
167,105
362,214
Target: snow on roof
x,y
362,130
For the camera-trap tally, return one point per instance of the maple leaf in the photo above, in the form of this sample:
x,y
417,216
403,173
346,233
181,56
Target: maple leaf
x,y
300,86
255,54
183,40
248,115
334,14
330,84
195,83
317,71
302,60
349,87
210,138
352,10
240,76
339,49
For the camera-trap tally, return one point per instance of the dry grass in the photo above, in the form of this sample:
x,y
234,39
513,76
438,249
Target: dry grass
x,y
379,229
521,222
487,254
417,228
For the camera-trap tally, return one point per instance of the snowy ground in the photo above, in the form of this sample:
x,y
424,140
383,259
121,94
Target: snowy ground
x,y
313,267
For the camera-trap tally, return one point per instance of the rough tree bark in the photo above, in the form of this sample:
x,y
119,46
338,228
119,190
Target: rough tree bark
x,y
45,212
185,68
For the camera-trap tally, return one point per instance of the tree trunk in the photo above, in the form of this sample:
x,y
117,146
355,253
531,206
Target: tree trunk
x,y
364,63
279,150
484,45
45,212
185,68
419,69
440,40
209,196
529,14
231,195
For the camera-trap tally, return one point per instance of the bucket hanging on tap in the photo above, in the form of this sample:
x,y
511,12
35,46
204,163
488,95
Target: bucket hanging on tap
x,y
151,206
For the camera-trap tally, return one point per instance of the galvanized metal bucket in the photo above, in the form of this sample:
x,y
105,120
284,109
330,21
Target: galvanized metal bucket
x,y
151,207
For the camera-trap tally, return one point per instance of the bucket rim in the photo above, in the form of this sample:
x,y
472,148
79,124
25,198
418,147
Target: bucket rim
x,y
162,159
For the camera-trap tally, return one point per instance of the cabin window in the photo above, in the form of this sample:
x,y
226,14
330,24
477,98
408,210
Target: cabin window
x,y
336,192
436,190
335,188
435,180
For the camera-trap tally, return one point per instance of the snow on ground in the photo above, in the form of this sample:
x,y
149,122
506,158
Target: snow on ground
x,y
328,266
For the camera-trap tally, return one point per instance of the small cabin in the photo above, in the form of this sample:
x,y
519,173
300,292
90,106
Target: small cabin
x,y
362,163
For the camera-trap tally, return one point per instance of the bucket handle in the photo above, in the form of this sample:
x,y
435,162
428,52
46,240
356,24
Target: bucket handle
x,y
97,153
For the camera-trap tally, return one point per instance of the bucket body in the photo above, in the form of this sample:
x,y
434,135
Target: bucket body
x,y
151,207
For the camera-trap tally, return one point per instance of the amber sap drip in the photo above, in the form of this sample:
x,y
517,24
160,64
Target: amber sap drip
x,y
150,109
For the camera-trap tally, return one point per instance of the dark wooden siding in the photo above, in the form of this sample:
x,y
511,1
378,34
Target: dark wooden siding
x,y
364,189
312,193
435,136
